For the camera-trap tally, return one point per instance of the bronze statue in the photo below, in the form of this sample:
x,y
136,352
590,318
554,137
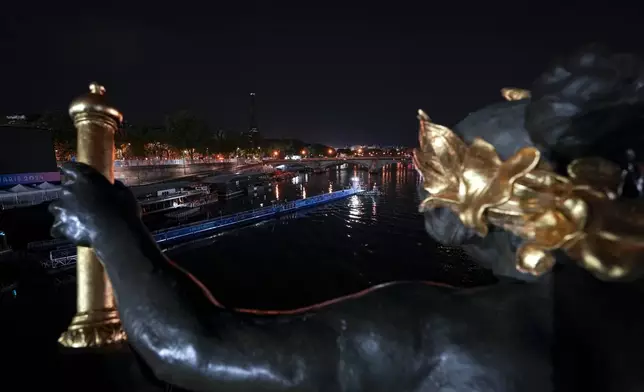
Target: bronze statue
x,y
523,190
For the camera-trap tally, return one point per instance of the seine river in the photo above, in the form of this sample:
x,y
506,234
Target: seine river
x,y
294,261
331,250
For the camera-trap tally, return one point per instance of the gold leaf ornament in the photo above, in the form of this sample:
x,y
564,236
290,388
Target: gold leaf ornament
x,y
438,160
579,214
467,179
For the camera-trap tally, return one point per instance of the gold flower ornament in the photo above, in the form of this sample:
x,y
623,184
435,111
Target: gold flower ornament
x,y
578,214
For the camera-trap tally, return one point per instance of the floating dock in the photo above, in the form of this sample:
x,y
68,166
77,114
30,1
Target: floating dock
x,y
64,256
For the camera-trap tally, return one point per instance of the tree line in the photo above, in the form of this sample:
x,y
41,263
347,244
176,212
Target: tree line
x,y
182,134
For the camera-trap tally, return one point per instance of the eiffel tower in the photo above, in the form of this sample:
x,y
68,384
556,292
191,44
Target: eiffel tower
x,y
253,129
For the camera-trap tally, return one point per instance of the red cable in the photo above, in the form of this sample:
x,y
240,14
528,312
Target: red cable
x,y
309,308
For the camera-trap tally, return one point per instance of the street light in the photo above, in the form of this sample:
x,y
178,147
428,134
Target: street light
x,y
303,152
330,151
276,153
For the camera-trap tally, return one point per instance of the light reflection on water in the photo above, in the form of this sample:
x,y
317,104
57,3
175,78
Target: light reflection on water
x,y
374,210
330,250
355,207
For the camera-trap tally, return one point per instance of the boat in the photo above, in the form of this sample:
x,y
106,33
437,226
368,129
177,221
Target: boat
x,y
171,198
233,185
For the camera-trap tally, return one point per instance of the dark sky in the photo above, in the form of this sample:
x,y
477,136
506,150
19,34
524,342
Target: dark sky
x,y
337,73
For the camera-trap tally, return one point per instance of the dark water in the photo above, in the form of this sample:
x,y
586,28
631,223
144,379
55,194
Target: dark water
x,y
332,250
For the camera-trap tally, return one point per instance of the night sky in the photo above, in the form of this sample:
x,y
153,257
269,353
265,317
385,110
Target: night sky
x,y
336,73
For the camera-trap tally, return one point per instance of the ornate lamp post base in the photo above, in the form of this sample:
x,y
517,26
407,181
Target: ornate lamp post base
x,y
97,328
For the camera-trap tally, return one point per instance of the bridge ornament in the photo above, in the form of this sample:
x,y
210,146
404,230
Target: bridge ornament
x,y
579,214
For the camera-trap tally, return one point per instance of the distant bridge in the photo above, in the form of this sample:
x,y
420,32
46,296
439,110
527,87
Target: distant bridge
x,y
373,164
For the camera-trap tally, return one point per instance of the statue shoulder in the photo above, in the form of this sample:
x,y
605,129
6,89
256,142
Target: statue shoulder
x,y
501,124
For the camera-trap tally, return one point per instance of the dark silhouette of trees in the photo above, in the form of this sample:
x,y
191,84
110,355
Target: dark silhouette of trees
x,y
187,132
63,132
295,147
183,134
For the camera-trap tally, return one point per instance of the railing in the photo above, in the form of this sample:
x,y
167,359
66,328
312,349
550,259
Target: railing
x,y
169,162
64,255
358,158
177,162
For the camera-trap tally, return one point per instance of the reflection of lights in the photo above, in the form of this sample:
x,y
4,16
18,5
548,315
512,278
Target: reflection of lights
x,y
303,192
355,204
277,191
295,180
330,187
355,179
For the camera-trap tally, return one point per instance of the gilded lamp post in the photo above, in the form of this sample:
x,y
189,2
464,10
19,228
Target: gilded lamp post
x,y
97,321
